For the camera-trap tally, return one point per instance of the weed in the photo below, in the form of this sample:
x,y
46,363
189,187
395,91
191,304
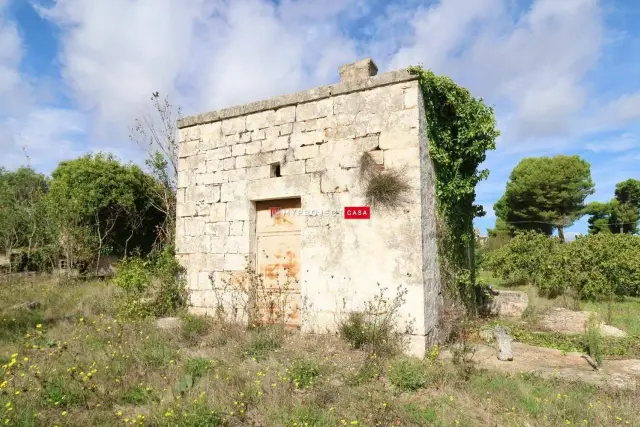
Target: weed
x,y
408,374
137,395
374,329
594,340
197,367
304,373
264,340
367,372
193,327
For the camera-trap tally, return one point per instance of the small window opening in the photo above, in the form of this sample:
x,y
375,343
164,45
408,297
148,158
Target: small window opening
x,y
275,170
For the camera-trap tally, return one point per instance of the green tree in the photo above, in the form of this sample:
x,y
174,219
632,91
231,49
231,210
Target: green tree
x,y
21,209
546,193
621,214
101,206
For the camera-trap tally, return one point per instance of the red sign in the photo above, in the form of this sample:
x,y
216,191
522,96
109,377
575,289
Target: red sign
x,y
357,212
274,211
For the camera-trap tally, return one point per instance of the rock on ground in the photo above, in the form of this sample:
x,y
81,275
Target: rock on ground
x,y
509,303
550,363
574,322
503,343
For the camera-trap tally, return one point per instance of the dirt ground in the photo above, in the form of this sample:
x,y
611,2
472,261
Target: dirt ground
x,y
551,363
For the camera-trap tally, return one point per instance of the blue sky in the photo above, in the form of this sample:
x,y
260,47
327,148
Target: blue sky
x,y
564,76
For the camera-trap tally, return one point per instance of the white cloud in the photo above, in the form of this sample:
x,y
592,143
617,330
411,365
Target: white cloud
x,y
534,62
207,54
13,89
624,142
47,134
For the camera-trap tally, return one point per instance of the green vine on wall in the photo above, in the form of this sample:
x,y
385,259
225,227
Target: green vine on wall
x,y
461,129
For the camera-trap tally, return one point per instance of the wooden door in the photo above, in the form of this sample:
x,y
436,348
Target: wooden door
x,y
278,261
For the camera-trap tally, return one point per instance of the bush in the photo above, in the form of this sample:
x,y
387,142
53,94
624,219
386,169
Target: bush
x,y
408,374
193,327
153,285
374,329
262,341
197,367
304,373
592,267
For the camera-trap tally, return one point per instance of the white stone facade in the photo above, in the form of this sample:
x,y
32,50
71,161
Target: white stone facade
x,y
317,137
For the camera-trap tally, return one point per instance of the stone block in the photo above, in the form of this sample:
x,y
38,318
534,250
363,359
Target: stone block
x,y
335,182
220,177
230,140
185,209
186,179
285,115
234,125
315,165
237,245
509,303
217,229
275,143
238,149
231,191
404,119
203,193
180,195
301,139
411,95
258,135
258,172
306,152
228,163
217,212
213,166
218,153
235,262
293,168
211,136
237,228
402,157
204,179
237,175
240,210
188,148
315,109
260,120
245,137
253,147
279,188
399,138
285,129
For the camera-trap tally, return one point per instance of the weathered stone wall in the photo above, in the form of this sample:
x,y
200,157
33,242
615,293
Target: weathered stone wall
x,y
319,137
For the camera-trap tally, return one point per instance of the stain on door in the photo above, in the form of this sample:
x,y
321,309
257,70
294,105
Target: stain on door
x,y
278,261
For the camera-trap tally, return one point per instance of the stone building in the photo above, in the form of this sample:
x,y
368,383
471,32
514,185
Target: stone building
x,y
238,166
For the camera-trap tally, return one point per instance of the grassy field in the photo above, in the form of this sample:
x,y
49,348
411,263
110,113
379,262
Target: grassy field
x,y
624,314
73,362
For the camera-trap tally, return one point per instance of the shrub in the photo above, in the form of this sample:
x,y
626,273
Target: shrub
x,y
193,327
138,395
594,339
304,373
262,341
197,367
367,372
374,329
153,285
408,374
